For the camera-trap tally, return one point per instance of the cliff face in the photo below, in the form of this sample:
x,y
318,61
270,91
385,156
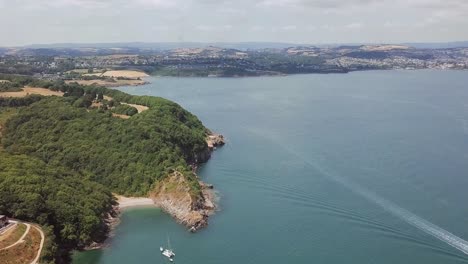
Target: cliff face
x,y
213,141
173,195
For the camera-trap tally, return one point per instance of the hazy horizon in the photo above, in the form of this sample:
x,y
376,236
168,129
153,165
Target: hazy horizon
x,y
257,44
288,21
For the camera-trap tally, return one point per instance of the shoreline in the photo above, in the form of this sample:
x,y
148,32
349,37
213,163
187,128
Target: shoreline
x,y
302,73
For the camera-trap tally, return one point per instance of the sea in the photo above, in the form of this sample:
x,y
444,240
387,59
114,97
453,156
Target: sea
x,y
359,168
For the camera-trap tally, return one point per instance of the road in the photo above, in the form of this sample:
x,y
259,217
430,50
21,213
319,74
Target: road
x,y
36,260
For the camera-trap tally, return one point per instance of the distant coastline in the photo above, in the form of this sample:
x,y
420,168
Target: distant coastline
x,y
95,65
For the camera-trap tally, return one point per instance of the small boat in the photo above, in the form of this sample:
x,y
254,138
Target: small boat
x,y
168,251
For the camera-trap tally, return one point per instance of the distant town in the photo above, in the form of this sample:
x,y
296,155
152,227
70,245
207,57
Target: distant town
x,y
75,63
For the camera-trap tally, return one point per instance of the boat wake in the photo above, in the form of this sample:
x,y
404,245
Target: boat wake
x,y
405,215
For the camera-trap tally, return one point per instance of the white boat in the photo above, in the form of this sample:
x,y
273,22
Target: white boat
x,y
168,251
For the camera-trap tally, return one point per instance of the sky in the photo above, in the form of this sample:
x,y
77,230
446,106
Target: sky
x,y
25,22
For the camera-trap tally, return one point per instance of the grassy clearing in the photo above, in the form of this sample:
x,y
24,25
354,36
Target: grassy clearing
x,y
12,235
78,71
24,252
31,90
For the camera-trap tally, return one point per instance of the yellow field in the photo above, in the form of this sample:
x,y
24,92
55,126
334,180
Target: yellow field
x,y
31,90
108,83
126,74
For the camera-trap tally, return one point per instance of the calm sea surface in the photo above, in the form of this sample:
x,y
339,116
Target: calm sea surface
x,y
367,167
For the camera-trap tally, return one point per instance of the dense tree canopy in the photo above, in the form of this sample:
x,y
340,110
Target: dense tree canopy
x,y
53,196
126,155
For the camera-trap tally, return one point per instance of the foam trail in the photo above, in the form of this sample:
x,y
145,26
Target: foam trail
x,y
405,215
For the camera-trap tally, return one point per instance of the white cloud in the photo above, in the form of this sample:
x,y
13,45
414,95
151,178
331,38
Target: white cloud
x,y
289,28
354,26
158,4
212,28
256,28
77,3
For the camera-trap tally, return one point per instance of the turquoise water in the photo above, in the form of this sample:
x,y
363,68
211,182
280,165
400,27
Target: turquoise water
x,y
351,168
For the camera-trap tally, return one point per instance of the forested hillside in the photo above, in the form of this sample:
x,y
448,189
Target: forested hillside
x,y
74,209
62,159
127,156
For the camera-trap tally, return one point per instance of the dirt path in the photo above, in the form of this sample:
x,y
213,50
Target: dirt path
x,y
139,108
21,240
36,260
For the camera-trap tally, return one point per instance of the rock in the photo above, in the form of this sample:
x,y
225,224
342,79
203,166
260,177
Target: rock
x,y
174,196
215,140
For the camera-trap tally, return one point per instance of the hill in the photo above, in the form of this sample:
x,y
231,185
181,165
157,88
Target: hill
x,y
63,157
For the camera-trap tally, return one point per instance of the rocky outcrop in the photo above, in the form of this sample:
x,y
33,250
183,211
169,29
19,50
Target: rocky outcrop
x,y
215,140
174,196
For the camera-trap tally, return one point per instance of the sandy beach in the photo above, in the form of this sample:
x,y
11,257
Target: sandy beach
x,y
127,202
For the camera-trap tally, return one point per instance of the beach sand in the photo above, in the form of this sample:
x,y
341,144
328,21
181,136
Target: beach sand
x,y
126,202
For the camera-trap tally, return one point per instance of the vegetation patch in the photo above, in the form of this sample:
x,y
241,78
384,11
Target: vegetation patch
x,y
123,109
7,86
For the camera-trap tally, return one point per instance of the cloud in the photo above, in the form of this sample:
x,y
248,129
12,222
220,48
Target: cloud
x,y
212,28
289,28
256,28
326,4
77,3
159,4
354,26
